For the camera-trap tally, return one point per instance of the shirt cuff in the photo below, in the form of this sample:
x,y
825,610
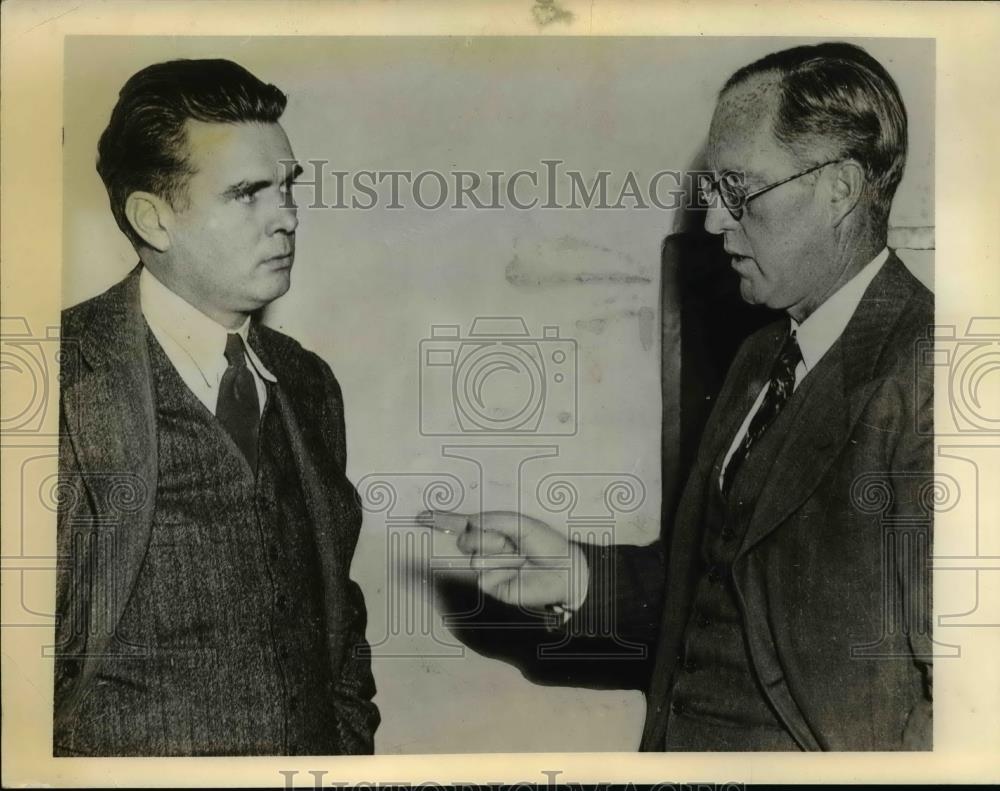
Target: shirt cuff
x,y
578,587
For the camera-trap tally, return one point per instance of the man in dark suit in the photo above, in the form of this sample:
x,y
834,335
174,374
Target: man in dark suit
x,y
788,601
207,525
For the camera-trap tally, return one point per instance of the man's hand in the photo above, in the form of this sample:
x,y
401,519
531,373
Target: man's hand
x,y
521,561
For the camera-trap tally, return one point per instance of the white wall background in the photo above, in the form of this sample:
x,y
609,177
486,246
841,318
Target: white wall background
x,y
368,286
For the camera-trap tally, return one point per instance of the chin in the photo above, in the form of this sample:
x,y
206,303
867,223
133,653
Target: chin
x,y
281,280
275,286
748,293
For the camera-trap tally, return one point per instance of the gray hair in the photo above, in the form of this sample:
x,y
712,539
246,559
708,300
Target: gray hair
x,y
837,99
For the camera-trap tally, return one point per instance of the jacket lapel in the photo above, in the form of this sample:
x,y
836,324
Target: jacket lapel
x,y
318,476
742,385
324,487
842,386
114,441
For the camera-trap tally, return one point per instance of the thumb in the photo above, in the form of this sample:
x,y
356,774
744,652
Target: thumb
x,y
502,584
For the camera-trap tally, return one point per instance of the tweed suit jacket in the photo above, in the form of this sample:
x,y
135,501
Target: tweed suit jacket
x,y
108,474
832,577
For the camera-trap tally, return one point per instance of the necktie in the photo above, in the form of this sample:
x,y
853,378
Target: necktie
x,y
238,408
779,389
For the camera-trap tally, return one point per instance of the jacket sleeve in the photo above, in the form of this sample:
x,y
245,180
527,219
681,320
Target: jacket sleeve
x,y
354,684
75,562
624,593
913,493
73,518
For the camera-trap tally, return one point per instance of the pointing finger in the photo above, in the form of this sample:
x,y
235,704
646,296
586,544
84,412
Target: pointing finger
x,y
443,521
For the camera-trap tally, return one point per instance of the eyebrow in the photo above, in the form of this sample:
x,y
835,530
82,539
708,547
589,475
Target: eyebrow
x,y
250,187
246,187
747,174
296,172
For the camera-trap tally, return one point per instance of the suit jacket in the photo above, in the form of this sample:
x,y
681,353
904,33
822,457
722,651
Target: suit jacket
x,y
108,473
832,578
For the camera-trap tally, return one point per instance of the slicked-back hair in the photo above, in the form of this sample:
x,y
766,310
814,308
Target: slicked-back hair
x,y
837,102
144,147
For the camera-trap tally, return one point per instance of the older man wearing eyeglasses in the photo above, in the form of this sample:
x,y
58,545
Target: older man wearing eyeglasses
x,y
788,602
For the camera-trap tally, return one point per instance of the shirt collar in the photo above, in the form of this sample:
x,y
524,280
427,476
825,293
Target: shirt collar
x,y
824,325
201,338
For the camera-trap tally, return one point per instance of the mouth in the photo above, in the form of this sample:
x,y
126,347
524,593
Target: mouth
x,y
738,258
282,260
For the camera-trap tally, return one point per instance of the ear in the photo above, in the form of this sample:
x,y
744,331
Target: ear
x,y
151,217
848,184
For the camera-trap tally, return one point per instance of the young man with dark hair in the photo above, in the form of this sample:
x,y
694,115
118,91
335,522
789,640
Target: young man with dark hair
x,y
207,525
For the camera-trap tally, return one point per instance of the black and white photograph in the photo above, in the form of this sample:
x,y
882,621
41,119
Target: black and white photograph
x,y
474,395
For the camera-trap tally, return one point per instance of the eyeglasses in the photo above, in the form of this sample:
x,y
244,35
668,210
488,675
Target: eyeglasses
x,y
733,192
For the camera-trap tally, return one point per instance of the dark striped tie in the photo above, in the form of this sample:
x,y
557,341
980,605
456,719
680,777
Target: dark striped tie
x,y
779,389
238,408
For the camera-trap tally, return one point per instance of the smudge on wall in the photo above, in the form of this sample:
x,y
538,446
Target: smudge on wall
x,y
645,319
572,261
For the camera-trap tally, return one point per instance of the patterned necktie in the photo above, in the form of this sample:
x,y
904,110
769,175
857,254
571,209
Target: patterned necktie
x,y
238,408
779,389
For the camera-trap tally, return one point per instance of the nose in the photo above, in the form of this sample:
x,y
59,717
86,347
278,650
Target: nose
x,y
286,218
718,220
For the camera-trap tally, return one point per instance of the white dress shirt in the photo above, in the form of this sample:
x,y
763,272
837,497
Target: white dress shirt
x,y
194,343
817,334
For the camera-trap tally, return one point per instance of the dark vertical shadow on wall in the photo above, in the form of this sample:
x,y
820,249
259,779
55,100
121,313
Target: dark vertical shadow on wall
x,y
704,322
